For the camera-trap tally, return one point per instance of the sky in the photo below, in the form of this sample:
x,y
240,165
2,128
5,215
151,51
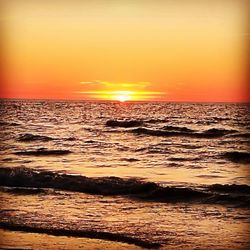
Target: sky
x,y
161,50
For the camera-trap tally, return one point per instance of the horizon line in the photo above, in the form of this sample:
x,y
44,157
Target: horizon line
x,y
116,101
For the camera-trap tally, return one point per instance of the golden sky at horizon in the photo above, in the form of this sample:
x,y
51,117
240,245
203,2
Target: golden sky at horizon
x,y
137,50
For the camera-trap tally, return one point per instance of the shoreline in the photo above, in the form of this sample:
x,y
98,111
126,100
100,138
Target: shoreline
x,y
89,234
23,240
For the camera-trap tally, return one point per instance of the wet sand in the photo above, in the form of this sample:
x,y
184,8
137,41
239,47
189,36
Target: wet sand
x,y
20,240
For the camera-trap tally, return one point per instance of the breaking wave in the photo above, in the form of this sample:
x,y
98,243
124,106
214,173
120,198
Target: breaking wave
x,y
132,188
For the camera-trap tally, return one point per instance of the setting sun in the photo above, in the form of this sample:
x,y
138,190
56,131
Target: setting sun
x,y
119,91
122,96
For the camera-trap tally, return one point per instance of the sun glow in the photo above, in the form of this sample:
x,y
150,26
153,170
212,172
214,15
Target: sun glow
x,y
122,96
119,91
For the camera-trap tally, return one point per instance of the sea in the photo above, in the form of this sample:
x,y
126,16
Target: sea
x,y
124,175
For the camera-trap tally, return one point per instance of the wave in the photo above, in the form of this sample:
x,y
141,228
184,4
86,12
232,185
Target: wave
x,y
23,190
212,120
233,188
156,132
210,133
155,121
180,129
130,159
44,152
2,123
221,118
132,188
31,137
237,156
241,135
181,159
219,131
124,123
92,234
71,138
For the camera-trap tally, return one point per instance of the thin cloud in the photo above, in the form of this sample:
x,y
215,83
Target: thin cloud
x,y
89,82
114,90
115,84
101,92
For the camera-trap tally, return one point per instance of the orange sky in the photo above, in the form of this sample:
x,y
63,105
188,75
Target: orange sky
x,y
182,50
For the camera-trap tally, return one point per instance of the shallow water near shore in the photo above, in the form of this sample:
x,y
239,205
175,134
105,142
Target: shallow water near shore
x,y
151,175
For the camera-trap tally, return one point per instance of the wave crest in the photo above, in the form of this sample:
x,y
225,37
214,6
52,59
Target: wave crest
x,y
133,188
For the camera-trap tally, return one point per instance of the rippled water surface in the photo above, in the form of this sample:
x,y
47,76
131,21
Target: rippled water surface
x,y
189,165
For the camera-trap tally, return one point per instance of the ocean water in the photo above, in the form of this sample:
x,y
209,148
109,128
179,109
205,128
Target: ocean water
x,y
138,174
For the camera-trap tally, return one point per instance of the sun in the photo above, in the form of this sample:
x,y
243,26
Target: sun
x,y
122,96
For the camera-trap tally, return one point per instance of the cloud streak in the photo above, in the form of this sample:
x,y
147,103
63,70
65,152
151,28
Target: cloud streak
x,y
115,84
